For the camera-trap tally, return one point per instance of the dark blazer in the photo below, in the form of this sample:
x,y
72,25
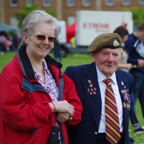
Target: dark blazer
x,y
86,132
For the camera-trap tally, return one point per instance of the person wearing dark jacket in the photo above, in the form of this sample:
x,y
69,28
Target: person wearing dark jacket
x,y
57,51
105,93
135,48
15,42
30,87
123,32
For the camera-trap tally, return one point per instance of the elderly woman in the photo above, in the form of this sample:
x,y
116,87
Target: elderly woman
x,y
30,87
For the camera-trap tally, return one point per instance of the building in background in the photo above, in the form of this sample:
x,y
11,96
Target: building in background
x,y
65,9
2,14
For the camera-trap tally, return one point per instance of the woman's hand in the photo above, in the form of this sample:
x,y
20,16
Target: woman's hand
x,y
64,107
63,117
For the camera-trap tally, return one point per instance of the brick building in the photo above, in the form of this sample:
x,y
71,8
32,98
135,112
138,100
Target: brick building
x,y
65,9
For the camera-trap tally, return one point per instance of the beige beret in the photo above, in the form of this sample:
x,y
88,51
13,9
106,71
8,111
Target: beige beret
x,y
105,40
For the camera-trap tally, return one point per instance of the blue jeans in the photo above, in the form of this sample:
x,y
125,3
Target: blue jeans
x,y
138,89
132,113
57,54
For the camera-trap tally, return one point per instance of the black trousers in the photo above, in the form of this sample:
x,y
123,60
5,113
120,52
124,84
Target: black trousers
x,y
102,139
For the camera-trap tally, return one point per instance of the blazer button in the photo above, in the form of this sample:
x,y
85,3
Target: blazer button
x,y
95,133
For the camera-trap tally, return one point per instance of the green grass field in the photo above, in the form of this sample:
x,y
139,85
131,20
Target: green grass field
x,y
78,59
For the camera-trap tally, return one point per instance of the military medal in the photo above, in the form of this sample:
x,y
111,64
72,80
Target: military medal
x,y
127,100
91,90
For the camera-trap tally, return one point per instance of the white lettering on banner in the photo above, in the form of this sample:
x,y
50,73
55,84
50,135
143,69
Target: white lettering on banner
x,y
98,27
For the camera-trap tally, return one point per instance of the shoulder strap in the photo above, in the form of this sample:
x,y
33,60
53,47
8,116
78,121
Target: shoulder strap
x,y
61,86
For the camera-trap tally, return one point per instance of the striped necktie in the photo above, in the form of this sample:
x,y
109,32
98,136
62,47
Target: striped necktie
x,y
111,115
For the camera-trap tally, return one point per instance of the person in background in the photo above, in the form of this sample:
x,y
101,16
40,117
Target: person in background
x,y
123,32
15,43
73,42
2,45
10,41
135,48
30,85
6,43
57,51
105,94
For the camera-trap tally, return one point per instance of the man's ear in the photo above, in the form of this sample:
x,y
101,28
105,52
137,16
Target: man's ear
x,y
121,53
93,57
137,30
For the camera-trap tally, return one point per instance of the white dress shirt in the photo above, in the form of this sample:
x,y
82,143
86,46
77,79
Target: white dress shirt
x,y
102,86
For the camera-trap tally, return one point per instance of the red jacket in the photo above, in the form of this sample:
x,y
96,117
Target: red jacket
x,y
25,116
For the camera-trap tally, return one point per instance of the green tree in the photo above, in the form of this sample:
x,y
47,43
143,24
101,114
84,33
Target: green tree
x,y
138,14
20,15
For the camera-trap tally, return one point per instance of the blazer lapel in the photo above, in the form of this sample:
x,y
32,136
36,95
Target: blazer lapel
x,y
122,83
92,91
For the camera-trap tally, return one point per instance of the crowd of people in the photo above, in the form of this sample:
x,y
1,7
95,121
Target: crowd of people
x,y
87,104
9,42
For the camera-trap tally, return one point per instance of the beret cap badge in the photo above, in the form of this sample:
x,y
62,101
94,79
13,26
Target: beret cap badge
x,y
105,40
115,43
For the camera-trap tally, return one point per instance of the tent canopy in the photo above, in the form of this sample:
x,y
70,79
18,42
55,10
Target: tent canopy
x,y
70,31
5,28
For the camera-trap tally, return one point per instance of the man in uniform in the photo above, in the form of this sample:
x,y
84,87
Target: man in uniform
x,y
105,93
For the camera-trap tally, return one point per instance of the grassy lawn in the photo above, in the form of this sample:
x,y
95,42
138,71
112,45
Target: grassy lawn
x,y
78,59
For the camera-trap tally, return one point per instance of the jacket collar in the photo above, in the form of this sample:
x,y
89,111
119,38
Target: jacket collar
x,y
122,83
94,98
92,91
27,67
91,74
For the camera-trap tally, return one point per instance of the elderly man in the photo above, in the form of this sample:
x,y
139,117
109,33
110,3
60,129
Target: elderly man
x,y
105,93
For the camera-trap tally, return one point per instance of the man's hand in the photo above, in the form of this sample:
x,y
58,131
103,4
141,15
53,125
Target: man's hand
x,y
140,63
129,66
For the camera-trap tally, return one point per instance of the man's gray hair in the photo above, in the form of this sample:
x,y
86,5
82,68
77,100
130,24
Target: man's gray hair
x,y
38,16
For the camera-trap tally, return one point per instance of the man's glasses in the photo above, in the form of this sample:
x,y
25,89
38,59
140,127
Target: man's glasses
x,y
42,38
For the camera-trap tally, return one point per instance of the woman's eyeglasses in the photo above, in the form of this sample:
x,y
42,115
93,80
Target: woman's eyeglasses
x,y
42,38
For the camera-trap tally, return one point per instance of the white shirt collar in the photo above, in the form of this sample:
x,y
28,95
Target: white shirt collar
x,y
101,76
